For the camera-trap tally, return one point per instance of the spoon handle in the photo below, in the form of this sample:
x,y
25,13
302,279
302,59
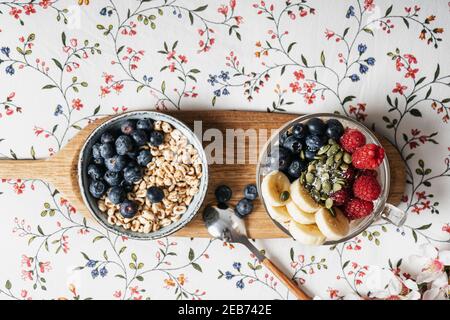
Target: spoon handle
x,y
299,294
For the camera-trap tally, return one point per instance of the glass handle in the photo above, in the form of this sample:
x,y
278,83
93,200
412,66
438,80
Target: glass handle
x,y
393,215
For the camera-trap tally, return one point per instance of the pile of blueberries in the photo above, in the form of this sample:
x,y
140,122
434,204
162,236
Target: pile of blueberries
x,y
117,163
244,207
299,145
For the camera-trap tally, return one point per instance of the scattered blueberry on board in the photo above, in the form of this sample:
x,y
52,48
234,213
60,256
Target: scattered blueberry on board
x,y
244,207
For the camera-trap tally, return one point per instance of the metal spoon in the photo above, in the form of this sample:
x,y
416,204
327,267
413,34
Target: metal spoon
x,y
223,224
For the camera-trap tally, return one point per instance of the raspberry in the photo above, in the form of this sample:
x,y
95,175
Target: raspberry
x,y
358,208
367,188
352,139
349,174
369,156
340,197
371,173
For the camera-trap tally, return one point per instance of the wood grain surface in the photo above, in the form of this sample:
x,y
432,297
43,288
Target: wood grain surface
x,y
61,169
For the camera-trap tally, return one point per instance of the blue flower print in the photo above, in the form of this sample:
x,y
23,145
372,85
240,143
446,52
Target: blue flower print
x,y
225,92
5,51
94,273
354,77
103,272
212,79
224,75
58,110
229,275
370,61
362,48
103,11
240,284
363,68
217,93
10,69
91,263
147,78
237,266
350,12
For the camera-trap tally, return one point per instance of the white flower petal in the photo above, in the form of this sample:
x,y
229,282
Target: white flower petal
x,y
417,263
410,284
427,276
431,294
441,281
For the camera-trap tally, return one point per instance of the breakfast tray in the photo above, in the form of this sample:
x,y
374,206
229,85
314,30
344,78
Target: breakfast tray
x,y
61,169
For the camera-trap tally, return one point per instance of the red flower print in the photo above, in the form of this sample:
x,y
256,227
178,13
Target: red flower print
x,y
411,73
118,87
45,4
172,67
399,64
104,91
44,266
309,86
170,55
410,58
223,10
19,187
76,104
108,77
182,58
15,12
399,88
26,261
446,227
299,75
73,42
29,9
329,34
333,293
295,86
27,275
238,20
309,98
232,4
369,5
117,294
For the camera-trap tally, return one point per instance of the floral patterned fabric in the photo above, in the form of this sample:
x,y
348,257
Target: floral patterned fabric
x,y
63,64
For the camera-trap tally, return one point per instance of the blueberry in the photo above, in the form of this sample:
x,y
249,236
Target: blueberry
x,y
113,178
243,208
316,126
124,144
309,155
97,189
128,187
99,161
293,144
140,137
133,154
296,168
156,138
132,174
335,129
107,137
314,142
128,209
116,195
116,163
222,205
155,194
95,171
223,193
107,150
144,157
280,159
144,124
127,127
96,151
250,192
299,130
284,136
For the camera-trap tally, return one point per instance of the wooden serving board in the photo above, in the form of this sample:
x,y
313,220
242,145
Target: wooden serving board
x,y
61,169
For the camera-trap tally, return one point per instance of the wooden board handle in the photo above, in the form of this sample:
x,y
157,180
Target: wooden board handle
x,y
25,169
285,280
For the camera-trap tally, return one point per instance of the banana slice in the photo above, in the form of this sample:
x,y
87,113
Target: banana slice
x,y
299,215
273,185
279,214
302,198
306,233
334,228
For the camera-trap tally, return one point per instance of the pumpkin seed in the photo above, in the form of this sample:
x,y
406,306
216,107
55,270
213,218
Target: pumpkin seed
x,y
347,158
333,150
329,203
323,149
311,168
309,177
329,162
338,156
326,186
302,155
344,167
325,176
336,187
332,212
332,141
317,185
